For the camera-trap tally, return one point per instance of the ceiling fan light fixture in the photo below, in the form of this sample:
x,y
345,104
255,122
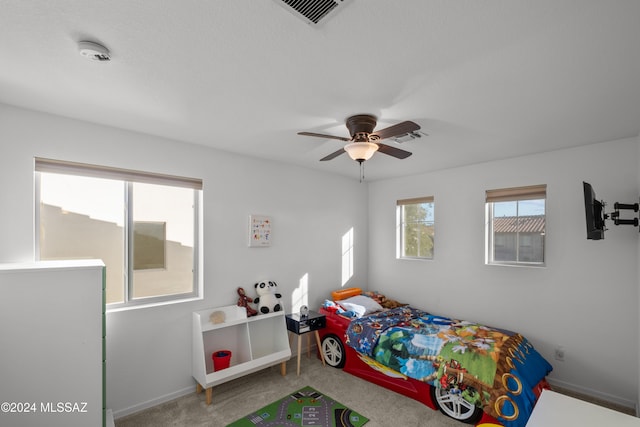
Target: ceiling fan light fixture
x,y
361,151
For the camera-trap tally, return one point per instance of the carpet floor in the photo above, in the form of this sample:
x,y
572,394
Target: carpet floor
x,y
236,398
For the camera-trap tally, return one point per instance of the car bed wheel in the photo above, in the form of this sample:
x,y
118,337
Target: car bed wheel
x,y
333,351
454,406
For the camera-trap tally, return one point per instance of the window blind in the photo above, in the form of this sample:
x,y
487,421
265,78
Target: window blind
x,y
531,192
415,201
107,172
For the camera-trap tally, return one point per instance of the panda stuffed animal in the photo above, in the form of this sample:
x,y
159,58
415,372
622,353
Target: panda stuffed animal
x,y
268,299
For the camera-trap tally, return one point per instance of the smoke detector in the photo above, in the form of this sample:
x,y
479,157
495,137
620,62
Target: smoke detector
x,y
93,51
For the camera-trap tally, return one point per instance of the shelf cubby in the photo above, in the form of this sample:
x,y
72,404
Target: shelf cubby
x,y
255,343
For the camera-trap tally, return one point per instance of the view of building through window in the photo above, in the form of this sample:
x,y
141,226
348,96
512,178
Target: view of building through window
x,y
517,231
143,232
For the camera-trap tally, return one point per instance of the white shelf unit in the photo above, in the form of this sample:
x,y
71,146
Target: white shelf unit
x,y
255,343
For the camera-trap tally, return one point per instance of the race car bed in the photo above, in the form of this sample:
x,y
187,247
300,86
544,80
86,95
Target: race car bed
x,y
471,372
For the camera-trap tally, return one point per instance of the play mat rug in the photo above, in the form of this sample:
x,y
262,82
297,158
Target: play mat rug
x,y
305,407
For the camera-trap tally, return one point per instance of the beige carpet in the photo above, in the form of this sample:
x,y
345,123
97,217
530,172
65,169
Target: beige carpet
x,y
237,398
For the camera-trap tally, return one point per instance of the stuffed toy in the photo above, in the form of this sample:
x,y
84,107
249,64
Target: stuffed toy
x,y
383,300
217,317
244,300
268,299
332,307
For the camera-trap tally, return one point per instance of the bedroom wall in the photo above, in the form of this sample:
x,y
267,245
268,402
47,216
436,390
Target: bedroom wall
x,y
638,266
585,299
149,349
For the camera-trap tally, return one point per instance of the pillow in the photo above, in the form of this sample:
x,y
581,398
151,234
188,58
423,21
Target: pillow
x,y
345,293
361,305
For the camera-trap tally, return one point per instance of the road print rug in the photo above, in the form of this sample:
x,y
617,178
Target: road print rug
x,y
305,407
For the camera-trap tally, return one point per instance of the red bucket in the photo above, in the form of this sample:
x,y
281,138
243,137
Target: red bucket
x,y
221,359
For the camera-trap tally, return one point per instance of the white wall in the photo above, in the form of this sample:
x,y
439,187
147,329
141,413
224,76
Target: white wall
x,y
638,265
149,350
585,299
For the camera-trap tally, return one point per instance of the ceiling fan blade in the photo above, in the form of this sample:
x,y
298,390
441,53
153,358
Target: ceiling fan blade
x,y
395,130
321,135
332,155
392,151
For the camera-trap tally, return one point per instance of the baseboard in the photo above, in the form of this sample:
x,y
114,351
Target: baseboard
x,y
153,402
617,400
109,418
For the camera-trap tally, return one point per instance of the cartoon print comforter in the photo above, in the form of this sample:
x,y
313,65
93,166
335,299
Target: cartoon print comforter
x,y
494,369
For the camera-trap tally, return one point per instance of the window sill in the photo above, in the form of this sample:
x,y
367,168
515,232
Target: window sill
x,y
135,306
521,265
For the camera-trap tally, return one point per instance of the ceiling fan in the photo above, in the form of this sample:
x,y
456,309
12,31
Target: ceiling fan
x,y
364,142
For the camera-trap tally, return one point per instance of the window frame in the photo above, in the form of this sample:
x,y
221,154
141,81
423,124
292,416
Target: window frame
x,y
400,227
514,194
128,177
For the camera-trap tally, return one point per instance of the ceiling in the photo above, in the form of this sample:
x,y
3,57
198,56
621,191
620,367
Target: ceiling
x,y
484,79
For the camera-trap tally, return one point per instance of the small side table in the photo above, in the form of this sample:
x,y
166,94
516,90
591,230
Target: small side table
x,y
313,322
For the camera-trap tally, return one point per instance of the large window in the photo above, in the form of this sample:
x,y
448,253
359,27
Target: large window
x,y
145,227
516,225
415,228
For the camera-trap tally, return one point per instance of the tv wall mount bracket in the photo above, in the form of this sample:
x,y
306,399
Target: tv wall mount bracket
x,y
615,215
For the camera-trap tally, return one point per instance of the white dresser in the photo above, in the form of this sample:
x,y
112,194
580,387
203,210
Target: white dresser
x,y
52,354
558,410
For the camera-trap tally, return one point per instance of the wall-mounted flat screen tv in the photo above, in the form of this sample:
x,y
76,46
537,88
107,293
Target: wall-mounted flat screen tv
x,y
594,213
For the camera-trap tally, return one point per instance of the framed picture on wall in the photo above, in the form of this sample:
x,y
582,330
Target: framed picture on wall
x,y
259,231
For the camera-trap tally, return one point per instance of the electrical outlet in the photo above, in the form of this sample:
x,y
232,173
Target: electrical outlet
x,y
560,353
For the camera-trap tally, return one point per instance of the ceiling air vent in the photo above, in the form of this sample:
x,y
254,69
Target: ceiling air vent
x,y
312,11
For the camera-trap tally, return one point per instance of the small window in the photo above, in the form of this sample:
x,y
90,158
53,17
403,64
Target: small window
x,y
145,227
415,228
516,225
